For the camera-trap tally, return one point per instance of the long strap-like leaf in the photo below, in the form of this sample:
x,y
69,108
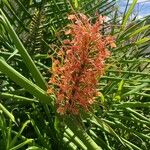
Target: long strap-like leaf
x,y
25,56
24,82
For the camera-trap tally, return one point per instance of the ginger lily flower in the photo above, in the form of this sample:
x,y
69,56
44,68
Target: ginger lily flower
x,y
75,79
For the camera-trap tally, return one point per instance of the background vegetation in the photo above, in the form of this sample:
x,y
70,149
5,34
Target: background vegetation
x,y
120,118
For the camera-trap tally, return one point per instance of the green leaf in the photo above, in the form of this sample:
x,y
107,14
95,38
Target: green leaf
x,y
76,4
22,144
10,115
136,89
138,114
105,127
143,40
14,140
24,82
13,54
118,94
128,14
73,138
131,29
26,58
35,148
17,97
146,27
82,135
132,104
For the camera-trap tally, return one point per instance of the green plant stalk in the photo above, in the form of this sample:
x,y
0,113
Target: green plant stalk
x,y
39,134
17,97
3,129
136,89
74,139
21,137
24,82
83,136
105,127
14,140
131,144
119,79
134,119
131,29
22,144
132,104
137,114
141,135
70,145
26,57
142,94
126,142
124,21
10,115
9,135
129,72
99,140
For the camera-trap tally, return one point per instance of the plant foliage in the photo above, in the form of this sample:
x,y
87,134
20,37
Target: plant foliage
x,y
29,33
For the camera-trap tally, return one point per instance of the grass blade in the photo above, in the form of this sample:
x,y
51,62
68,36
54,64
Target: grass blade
x,y
10,115
24,82
127,15
26,58
22,144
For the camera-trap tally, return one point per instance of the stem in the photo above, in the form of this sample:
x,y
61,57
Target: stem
x,y
83,136
24,82
17,97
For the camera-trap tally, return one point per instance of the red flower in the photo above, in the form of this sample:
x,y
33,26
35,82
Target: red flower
x,y
83,63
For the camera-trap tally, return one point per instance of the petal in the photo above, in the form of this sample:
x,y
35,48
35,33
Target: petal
x,y
71,17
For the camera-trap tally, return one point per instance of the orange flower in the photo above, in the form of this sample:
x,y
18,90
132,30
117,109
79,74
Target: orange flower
x,y
83,63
